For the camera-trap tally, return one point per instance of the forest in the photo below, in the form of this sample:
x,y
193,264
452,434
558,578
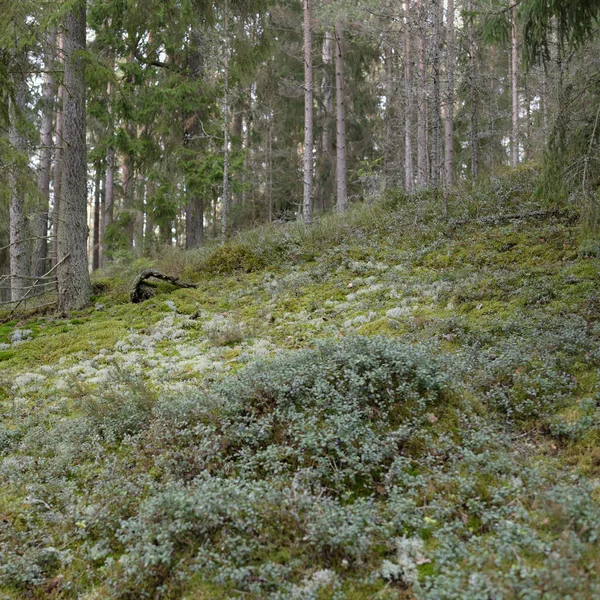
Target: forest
x,y
299,299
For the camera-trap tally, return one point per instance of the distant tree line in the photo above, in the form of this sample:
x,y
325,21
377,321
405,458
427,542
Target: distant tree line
x,y
153,123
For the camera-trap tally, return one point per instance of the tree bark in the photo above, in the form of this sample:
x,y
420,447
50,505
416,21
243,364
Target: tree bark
x,y
473,96
340,118
436,126
325,159
308,114
421,99
74,287
97,217
19,264
58,154
226,192
40,227
515,89
449,103
408,117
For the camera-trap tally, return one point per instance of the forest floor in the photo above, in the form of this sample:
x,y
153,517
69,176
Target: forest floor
x,y
385,405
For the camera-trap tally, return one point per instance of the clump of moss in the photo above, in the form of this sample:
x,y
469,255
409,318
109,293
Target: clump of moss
x,y
231,258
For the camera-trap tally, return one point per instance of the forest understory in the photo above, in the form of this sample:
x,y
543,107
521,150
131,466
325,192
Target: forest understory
x,y
385,404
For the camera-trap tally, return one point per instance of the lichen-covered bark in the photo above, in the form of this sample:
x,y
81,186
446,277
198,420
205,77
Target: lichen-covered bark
x,y
74,287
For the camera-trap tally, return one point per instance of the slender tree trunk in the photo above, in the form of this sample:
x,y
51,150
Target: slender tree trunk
x,y
473,95
246,146
128,186
58,154
515,89
340,118
390,151
226,192
449,104
74,287
308,114
138,224
408,117
97,216
149,244
40,227
326,137
544,99
421,99
270,167
109,192
194,212
19,264
436,126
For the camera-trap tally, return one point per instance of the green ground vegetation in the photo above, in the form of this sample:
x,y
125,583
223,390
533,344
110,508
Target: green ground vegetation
x,y
389,404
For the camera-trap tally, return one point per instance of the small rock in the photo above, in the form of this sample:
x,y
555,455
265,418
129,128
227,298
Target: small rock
x,y
99,306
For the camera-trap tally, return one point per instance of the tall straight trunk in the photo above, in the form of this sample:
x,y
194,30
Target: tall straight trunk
x,y
149,244
74,287
421,98
97,217
340,119
138,224
109,178
308,114
408,89
515,88
40,225
449,103
436,125
128,186
270,167
247,150
473,96
226,192
58,153
109,194
389,148
194,212
544,99
326,158
19,263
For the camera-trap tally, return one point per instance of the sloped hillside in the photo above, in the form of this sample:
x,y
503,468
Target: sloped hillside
x,y
390,405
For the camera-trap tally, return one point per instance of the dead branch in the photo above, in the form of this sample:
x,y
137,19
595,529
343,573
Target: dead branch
x,y
141,291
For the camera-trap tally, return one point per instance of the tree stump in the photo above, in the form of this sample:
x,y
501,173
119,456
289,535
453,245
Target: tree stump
x,y
140,290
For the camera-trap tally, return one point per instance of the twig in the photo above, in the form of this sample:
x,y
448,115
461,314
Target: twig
x,y
12,312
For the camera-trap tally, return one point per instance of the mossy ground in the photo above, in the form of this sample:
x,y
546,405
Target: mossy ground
x,y
513,302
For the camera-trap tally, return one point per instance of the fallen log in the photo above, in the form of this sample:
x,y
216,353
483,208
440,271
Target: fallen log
x,y
140,290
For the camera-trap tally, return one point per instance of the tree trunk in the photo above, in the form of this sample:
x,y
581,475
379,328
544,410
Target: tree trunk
x,y
326,158
226,191
58,154
449,104
473,96
515,89
19,264
436,126
390,150
247,150
421,99
408,117
308,114
74,287
340,119
109,192
97,216
40,226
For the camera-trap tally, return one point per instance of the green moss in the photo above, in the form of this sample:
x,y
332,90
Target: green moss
x,y
233,257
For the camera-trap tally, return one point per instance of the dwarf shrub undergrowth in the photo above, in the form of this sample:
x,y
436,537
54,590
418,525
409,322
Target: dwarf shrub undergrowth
x,y
352,464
